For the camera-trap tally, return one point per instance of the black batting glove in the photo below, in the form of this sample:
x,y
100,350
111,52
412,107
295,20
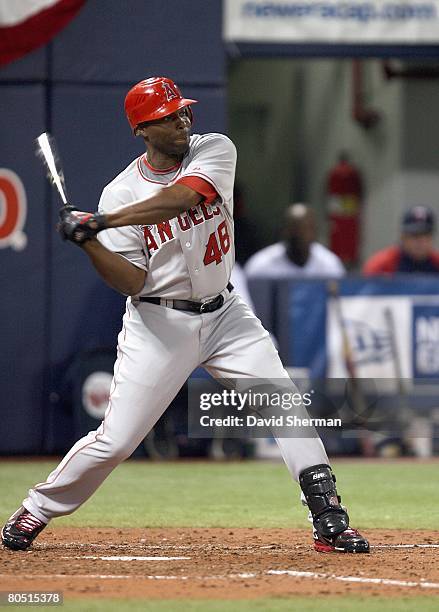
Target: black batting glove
x,y
78,226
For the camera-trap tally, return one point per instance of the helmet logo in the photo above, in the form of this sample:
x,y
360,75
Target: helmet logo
x,y
169,92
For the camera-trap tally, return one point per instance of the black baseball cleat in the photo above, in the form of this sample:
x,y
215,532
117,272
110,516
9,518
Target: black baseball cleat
x,y
21,530
348,541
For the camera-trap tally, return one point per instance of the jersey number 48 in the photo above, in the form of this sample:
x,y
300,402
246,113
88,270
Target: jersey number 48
x,y
217,245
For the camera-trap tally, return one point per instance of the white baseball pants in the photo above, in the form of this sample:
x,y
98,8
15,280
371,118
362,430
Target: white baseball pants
x,y
158,349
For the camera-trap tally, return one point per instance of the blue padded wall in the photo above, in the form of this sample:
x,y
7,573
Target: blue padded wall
x,y
116,41
30,67
53,304
23,277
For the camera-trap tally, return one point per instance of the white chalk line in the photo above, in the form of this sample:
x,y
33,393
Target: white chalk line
x,y
424,584
94,576
134,545
127,576
383,581
405,546
129,558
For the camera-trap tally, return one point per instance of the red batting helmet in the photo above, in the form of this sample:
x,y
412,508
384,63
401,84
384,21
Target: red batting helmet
x,y
154,98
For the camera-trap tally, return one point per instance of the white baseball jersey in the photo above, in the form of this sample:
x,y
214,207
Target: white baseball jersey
x,y
190,256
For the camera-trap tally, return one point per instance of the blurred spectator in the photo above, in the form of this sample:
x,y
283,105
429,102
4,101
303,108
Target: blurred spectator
x,y
298,254
415,253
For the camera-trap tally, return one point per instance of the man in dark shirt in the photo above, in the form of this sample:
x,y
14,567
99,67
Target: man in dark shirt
x,y
415,253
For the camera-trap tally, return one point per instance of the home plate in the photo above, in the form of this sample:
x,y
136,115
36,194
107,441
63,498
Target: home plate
x,y
129,558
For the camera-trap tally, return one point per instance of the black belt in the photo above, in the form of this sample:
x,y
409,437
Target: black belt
x,y
199,307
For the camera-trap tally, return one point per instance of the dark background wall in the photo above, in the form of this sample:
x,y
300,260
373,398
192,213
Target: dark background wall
x,y
53,305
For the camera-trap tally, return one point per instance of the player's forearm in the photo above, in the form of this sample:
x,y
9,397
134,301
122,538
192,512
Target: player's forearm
x,y
166,204
114,269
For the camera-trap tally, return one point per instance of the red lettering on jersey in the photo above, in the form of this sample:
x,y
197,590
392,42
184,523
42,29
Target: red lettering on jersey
x,y
151,244
193,215
206,212
165,231
183,222
216,210
216,247
213,251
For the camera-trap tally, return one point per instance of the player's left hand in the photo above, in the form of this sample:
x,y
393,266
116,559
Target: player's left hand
x,y
78,226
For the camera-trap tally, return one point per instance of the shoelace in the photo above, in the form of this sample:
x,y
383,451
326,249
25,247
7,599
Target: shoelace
x,y
351,531
28,522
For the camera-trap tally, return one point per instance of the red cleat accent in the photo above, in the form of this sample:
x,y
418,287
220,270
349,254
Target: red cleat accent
x,y
21,530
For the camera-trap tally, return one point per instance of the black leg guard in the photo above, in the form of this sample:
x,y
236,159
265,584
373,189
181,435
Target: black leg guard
x,y
318,486
331,521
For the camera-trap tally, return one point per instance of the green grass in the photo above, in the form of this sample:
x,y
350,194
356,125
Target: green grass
x,y
248,494
293,604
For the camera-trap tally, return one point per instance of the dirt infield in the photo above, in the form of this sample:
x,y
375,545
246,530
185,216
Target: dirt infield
x,y
218,564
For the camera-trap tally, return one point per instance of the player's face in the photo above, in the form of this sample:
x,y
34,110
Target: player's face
x,y
299,233
418,247
170,135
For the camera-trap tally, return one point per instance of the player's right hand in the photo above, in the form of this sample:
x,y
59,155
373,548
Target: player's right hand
x,y
78,226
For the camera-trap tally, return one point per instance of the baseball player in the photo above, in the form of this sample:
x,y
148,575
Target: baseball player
x,y
163,236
